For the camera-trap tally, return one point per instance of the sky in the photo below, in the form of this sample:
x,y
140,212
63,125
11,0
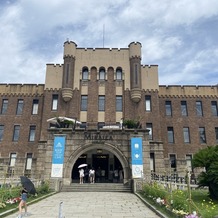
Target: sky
x,y
180,36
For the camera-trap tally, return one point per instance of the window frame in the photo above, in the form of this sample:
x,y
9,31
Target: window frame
x,y
4,106
148,103
35,106
202,134
101,103
16,133
119,76
20,104
168,108
170,135
13,157
84,102
54,105
186,135
32,133
184,109
102,74
2,127
214,108
149,126
199,108
85,73
119,103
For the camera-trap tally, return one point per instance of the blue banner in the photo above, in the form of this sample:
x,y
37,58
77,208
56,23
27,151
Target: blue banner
x,y
58,150
137,158
136,148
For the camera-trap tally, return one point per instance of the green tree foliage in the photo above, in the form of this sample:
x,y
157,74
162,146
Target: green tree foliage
x,y
208,158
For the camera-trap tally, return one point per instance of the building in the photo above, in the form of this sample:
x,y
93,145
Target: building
x,y
102,88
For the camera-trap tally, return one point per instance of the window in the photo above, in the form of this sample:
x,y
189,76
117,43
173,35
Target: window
x,y
102,74
16,133
4,106
100,125
84,102
170,134
216,134
173,161
186,135
85,74
148,103
35,106
168,108
1,132
119,74
199,110
119,103
152,162
202,135
214,108
32,133
184,111
19,107
13,157
29,161
188,158
54,106
101,103
149,127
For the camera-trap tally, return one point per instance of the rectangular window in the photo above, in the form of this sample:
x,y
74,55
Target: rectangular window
x,y
186,135
184,110
13,157
4,106
170,134
148,103
188,158
216,134
35,106
1,132
119,103
149,127
173,161
101,103
168,108
19,107
202,135
32,133
152,162
29,161
16,133
84,102
199,111
214,108
54,106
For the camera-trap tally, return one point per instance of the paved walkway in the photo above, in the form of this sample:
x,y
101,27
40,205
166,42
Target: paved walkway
x,y
90,205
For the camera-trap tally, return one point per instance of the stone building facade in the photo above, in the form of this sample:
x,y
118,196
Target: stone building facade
x,y
100,87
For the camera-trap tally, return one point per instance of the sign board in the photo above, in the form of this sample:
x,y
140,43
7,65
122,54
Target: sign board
x,y
58,157
137,158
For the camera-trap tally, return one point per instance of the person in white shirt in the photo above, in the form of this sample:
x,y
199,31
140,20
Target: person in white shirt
x,y
81,175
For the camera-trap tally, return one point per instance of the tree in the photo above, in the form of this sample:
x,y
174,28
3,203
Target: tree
x,y
208,159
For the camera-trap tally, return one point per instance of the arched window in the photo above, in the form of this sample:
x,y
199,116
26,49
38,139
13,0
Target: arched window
x,y
102,74
118,74
85,73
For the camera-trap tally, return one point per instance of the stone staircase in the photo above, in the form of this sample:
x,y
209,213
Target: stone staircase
x,y
97,187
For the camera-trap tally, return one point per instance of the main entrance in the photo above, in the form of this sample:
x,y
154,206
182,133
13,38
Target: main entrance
x,y
105,164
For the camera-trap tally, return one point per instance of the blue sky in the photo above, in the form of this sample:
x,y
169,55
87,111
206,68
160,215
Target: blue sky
x,y
180,36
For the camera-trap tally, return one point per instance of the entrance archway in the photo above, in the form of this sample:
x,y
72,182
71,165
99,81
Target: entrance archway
x,y
92,149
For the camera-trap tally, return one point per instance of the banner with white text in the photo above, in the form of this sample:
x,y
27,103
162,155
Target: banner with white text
x,y
137,158
58,157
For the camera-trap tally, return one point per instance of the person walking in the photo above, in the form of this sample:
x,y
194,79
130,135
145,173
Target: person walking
x,y
81,175
23,203
92,175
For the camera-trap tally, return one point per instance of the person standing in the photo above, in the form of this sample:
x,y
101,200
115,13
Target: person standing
x,y
92,175
23,202
81,175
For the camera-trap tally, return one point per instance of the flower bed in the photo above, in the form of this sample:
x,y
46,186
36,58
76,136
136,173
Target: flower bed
x,y
177,203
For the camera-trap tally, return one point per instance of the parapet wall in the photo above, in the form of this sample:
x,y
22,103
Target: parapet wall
x,y
188,90
21,89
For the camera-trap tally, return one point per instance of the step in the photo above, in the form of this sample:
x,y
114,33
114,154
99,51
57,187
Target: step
x,y
97,187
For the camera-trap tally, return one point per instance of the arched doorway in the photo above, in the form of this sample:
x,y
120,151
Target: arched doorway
x,y
106,157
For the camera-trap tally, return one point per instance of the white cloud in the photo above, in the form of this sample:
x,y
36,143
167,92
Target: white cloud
x,y
179,36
